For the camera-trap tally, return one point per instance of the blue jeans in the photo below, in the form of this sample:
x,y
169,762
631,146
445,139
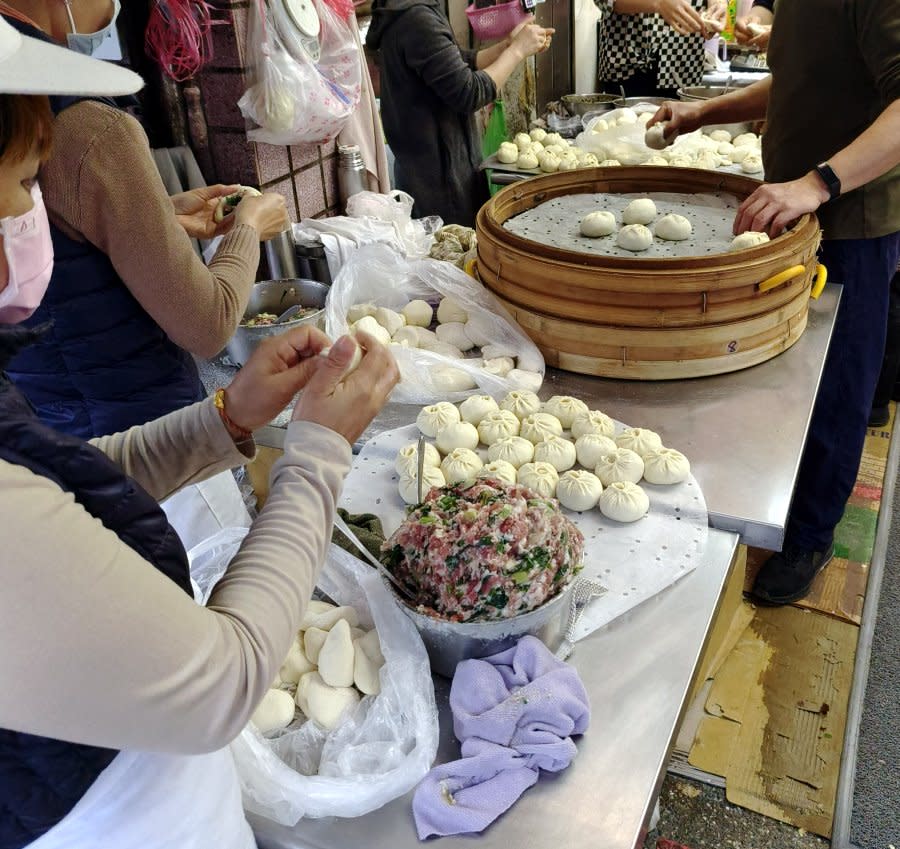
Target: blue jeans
x,y
837,431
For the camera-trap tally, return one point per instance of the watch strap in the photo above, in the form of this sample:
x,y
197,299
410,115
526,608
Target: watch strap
x,y
830,179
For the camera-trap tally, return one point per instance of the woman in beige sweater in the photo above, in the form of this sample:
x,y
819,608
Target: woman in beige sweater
x,y
119,693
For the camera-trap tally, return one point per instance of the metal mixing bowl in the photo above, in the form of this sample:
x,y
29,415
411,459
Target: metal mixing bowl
x,y
275,296
448,642
581,104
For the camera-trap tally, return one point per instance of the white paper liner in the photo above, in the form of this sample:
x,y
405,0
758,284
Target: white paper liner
x,y
556,222
634,561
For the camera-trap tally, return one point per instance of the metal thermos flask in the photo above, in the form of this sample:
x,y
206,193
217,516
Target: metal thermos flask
x,y
351,172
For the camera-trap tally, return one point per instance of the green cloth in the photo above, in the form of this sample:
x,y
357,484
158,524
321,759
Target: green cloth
x,y
835,68
368,530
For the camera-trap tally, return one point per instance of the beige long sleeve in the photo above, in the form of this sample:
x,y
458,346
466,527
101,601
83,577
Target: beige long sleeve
x,y
100,648
101,184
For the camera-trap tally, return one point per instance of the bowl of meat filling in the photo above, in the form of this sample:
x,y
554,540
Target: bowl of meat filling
x,y
269,300
486,563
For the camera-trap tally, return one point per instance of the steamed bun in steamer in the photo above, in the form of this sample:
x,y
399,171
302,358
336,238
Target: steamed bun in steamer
x,y
634,237
640,211
596,224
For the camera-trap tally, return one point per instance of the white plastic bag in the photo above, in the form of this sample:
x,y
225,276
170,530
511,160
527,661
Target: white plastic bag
x,y
381,276
209,559
298,96
380,752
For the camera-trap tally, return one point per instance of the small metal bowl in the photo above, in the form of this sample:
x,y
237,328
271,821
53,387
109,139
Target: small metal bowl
x,y
275,296
448,643
581,104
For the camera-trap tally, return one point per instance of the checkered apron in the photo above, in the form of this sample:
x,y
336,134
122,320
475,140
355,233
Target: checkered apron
x,y
631,43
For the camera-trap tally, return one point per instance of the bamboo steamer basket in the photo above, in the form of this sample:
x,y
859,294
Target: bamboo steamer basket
x,y
647,319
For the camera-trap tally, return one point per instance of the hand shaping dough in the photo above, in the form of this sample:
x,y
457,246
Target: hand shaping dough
x,y
624,502
640,211
634,237
274,712
578,490
436,416
673,228
368,324
666,466
460,464
596,224
748,239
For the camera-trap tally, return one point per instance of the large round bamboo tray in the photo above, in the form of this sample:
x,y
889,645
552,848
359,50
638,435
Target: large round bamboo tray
x,y
646,319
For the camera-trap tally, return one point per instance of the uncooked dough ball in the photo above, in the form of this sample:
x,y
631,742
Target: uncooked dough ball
x,y
624,502
327,618
655,137
522,141
314,611
746,140
418,313
524,379
708,160
507,153
752,163
498,425
565,408
460,464
599,126
476,407
513,449
634,237
389,320
407,337
527,159
521,402
619,465
358,311
457,435
274,712
313,640
538,134
666,466
407,462
596,224
454,333
295,665
578,490
680,162
557,451
748,239
365,670
445,349
541,477
739,154
627,116
481,328
608,163
325,704
593,421
673,228
640,211
591,447
336,656
499,470
538,426
720,135
368,324
408,486
657,160
450,310
436,416
501,366
641,440
450,379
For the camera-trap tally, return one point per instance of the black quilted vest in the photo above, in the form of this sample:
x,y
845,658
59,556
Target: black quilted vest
x,y
41,779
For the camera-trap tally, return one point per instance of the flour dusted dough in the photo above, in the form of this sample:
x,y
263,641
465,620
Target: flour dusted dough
x,y
578,490
624,502
274,712
640,211
418,313
673,228
634,237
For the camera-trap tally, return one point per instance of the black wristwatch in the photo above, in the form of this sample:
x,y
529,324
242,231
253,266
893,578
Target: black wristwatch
x,y
830,179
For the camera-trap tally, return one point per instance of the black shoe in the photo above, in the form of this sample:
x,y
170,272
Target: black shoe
x,y
879,416
788,575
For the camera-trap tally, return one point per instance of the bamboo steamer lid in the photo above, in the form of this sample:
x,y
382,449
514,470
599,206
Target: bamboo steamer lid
x,y
652,318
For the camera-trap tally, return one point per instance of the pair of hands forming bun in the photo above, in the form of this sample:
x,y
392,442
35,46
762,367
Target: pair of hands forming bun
x,y
344,384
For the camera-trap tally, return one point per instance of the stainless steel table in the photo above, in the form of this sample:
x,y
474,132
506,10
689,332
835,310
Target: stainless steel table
x,y
638,672
743,432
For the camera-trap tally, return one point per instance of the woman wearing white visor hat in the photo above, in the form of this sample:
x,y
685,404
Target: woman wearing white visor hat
x,y
120,694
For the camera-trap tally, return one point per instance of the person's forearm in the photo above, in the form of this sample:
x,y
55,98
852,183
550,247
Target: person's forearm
x,y
635,7
489,55
745,104
502,67
873,153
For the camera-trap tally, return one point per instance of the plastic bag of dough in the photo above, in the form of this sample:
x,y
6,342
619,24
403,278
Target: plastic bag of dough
x,y
378,274
295,96
380,750
619,140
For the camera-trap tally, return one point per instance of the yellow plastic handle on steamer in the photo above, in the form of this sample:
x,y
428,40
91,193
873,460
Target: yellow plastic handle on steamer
x,y
819,282
782,277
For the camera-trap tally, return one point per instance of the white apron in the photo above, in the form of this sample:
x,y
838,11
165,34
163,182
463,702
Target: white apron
x,y
145,800
202,509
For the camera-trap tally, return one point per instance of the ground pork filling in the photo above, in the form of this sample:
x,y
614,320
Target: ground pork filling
x,y
482,550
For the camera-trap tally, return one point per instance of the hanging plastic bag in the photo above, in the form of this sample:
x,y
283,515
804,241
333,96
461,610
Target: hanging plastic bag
x,y
378,275
379,752
304,88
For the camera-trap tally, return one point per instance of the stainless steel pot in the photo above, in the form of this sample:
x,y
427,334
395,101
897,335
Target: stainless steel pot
x,y
448,643
581,104
275,296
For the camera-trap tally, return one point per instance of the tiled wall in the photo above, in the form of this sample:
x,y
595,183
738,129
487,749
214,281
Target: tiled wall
x,y
305,174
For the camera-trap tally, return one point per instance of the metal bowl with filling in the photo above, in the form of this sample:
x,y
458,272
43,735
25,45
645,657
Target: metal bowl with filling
x,y
581,104
486,563
270,298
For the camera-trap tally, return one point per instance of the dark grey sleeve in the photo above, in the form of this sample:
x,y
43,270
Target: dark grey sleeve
x,y
433,54
765,4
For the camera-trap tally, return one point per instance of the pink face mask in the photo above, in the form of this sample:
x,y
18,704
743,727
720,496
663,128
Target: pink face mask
x,y
29,256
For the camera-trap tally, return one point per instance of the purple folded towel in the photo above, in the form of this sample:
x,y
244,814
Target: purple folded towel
x,y
514,714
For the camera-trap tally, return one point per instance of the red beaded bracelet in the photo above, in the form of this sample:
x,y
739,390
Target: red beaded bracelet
x,y
241,434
